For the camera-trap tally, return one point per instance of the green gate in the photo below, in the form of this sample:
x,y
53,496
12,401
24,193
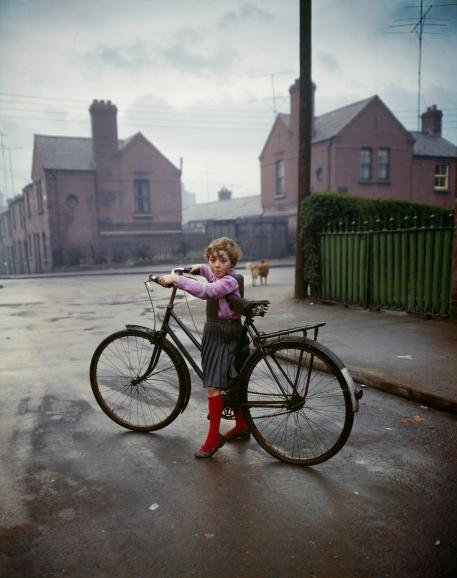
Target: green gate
x,y
387,266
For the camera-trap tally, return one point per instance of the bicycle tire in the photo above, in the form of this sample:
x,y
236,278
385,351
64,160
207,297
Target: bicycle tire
x,y
130,397
312,425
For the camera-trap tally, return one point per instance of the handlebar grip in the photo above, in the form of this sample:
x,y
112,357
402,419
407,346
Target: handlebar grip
x,y
181,270
177,271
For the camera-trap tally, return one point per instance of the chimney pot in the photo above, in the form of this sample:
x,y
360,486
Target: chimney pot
x,y
432,120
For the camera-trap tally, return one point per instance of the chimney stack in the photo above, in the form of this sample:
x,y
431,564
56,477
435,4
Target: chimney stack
x,y
294,92
104,134
431,121
225,194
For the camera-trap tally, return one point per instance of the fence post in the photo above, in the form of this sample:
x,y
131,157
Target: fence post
x,y
454,265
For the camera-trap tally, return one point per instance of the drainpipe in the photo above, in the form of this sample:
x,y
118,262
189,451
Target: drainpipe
x,y
329,163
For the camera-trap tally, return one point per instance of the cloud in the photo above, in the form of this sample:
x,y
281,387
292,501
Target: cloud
x,y
246,12
328,61
184,51
133,57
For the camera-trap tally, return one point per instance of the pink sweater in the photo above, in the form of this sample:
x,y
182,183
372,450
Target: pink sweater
x,y
215,288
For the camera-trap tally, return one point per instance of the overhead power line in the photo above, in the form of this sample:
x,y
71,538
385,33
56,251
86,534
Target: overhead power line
x,y
418,26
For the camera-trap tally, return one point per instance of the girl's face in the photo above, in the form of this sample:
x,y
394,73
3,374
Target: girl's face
x,y
220,264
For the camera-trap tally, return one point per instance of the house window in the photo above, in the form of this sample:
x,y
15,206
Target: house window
x,y
39,198
366,161
45,247
27,200
383,164
441,177
280,179
22,214
142,198
71,201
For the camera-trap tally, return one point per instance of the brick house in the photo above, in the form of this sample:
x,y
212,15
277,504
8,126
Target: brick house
x,y
92,200
361,149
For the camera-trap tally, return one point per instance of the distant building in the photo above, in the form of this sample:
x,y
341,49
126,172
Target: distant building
x,y
361,149
242,219
91,200
197,217
188,199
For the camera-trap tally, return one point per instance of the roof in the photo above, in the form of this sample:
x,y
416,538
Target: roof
x,y
70,153
222,210
65,153
428,145
331,123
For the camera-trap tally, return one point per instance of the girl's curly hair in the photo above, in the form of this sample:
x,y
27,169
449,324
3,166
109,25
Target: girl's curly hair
x,y
224,244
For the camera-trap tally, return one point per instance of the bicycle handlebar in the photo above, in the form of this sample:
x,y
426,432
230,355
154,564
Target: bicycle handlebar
x,y
176,271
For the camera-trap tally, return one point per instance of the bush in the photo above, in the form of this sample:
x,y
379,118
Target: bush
x,y
331,211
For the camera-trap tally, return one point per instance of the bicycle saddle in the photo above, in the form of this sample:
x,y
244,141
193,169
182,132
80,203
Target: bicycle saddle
x,y
254,308
247,307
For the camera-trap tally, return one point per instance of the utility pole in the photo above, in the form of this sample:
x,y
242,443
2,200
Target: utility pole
x,y
4,197
304,138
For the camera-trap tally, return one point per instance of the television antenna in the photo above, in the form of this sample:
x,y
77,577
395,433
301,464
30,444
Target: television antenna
x,y
418,27
273,96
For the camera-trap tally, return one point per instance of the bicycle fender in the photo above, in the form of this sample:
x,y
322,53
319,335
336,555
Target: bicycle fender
x,y
151,332
355,391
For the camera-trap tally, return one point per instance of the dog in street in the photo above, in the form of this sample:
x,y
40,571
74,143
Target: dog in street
x,y
259,271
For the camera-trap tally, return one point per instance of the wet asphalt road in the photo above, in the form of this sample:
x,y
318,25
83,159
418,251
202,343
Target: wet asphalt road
x,y
80,497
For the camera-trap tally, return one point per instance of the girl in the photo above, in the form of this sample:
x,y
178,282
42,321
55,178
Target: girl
x,y
222,351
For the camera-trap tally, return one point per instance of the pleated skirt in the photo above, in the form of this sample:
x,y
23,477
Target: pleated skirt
x,y
224,351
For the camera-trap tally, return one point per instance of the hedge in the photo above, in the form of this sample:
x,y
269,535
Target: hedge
x,y
323,211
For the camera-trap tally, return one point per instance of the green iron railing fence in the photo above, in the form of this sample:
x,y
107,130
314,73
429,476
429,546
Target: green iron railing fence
x,y
395,265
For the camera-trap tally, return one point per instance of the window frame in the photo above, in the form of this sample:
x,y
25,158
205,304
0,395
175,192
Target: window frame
x,y
280,179
39,198
385,165
363,164
142,197
439,175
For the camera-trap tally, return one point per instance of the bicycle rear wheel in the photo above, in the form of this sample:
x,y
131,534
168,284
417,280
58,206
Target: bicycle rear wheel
x,y
296,401
129,390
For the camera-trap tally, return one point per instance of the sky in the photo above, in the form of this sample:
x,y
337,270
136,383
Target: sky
x,y
202,79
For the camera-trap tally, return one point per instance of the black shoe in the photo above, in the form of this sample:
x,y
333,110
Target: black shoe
x,y
207,454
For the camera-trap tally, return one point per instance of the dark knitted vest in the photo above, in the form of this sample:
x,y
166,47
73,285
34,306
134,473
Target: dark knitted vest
x,y
212,305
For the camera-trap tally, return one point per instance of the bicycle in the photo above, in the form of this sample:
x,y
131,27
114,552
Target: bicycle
x,y
297,397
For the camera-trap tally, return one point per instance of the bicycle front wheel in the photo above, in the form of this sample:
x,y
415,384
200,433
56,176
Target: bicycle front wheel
x,y
138,380
297,403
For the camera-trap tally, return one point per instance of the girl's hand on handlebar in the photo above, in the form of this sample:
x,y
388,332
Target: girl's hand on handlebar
x,y
195,269
168,280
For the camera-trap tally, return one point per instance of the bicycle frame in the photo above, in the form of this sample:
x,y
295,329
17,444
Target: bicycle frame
x,y
167,330
257,338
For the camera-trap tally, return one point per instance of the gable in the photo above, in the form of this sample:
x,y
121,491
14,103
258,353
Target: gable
x,y
281,121
138,139
335,122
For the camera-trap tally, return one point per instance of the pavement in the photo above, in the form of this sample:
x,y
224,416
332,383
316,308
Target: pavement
x,y
404,354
